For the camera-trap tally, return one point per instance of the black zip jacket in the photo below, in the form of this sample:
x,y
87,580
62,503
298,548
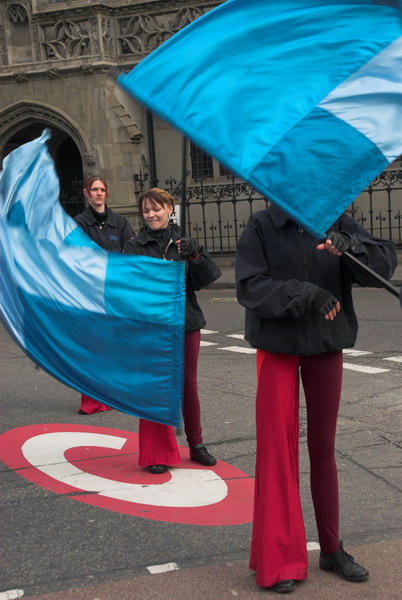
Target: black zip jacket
x,y
278,271
109,235
200,272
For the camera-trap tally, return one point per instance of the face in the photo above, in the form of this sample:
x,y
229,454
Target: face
x,y
97,195
155,215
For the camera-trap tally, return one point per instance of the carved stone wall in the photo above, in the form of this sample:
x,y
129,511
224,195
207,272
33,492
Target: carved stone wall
x,y
56,73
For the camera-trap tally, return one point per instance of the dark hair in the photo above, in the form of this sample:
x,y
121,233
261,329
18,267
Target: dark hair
x,y
156,196
90,180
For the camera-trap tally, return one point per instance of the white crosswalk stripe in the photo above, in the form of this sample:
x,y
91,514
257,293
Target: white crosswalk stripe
x,y
363,369
240,349
353,352
394,358
348,352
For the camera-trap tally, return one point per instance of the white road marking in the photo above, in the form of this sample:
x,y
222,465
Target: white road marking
x,y
353,352
313,546
239,349
202,343
394,358
186,487
238,336
362,369
163,568
207,331
11,594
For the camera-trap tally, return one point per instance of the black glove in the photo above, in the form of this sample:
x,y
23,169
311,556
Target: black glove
x,y
341,241
188,247
324,301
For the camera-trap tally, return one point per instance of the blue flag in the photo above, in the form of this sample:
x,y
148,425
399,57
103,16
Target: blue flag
x,y
301,98
106,324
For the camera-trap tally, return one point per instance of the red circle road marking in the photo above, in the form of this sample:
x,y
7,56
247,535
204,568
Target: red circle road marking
x,y
108,471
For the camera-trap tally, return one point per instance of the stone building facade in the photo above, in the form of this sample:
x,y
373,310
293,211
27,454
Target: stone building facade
x,y
55,58
55,61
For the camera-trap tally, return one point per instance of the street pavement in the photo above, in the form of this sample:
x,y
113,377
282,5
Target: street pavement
x,y
63,543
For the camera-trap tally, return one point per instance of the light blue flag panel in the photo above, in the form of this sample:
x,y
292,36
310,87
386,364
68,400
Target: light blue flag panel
x,y
301,98
106,324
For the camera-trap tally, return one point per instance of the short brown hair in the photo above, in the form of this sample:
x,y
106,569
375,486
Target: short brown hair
x,y
156,196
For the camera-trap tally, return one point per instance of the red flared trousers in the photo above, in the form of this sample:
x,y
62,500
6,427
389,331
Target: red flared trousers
x,y
157,442
278,547
90,406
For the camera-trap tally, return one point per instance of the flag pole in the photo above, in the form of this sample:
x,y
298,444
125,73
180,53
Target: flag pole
x,y
385,284
184,174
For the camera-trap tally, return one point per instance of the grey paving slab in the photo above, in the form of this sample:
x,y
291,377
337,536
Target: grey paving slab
x,y
233,580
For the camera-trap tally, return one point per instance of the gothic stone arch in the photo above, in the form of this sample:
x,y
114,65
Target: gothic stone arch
x,y
26,112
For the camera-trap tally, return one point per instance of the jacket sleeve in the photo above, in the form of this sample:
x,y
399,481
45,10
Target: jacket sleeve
x,y
257,291
202,271
129,246
379,255
127,232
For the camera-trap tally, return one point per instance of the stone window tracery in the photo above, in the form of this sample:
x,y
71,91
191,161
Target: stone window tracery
x,y
17,14
20,43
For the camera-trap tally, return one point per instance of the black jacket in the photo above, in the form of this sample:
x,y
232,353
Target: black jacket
x,y
200,272
278,270
110,235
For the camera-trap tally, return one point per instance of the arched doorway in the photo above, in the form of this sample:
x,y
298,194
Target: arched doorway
x,y
67,160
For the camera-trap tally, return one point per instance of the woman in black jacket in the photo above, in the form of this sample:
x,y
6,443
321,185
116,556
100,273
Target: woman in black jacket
x,y
110,231
299,315
160,239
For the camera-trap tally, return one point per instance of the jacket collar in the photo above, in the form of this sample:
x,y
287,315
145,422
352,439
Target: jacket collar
x,y
279,218
110,220
143,237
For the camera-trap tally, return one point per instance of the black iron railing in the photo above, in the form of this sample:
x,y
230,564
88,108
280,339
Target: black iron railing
x,y
217,213
379,207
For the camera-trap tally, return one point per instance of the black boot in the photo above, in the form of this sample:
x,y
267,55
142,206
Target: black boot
x,y
201,455
283,587
157,469
343,564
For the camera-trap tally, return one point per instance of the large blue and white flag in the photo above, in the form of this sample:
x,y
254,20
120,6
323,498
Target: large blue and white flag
x,y
301,98
109,325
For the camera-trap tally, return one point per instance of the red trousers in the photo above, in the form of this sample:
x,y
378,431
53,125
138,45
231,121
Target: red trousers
x,y
278,547
157,443
89,405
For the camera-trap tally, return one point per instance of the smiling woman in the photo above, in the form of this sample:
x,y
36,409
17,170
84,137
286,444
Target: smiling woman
x,y
160,239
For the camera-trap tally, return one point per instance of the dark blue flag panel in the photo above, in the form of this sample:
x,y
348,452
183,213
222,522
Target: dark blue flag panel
x,y
301,98
108,325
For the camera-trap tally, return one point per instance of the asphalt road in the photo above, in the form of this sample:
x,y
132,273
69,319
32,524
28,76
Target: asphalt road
x,y
54,540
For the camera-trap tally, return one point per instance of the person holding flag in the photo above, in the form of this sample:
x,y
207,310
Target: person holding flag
x,y
110,231
300,316
160,239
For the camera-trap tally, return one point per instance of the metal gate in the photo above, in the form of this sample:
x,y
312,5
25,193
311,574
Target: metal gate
x,y
217,213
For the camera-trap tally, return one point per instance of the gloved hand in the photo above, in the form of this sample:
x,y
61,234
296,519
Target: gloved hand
x,y
339,240
188,247
325,303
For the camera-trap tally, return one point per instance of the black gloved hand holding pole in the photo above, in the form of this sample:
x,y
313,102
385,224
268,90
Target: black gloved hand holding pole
x,y
188,247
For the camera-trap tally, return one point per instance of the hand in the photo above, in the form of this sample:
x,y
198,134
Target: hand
x,y
337,243
326,304
187,247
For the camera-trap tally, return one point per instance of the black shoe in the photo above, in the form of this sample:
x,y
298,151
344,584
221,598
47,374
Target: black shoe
x,y
341,563
284,587
201,454
157,469
81,412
